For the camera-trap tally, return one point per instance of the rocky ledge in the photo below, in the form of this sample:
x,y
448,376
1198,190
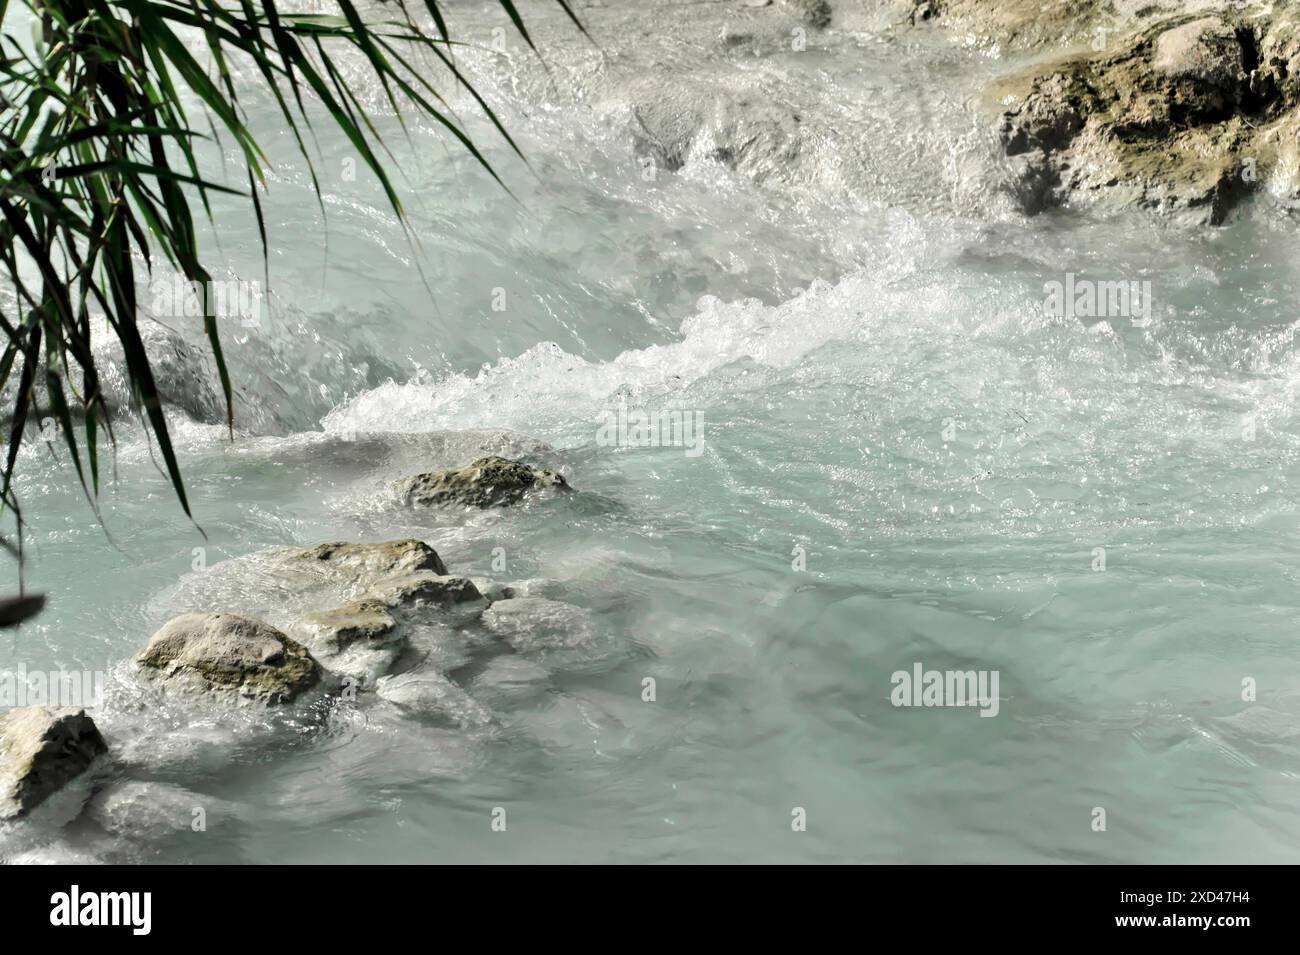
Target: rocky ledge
x,y
1184,108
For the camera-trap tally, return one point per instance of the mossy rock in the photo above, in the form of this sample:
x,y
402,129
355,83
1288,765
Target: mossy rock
x,y
487,482
362,621
382,559
412,590
1182,116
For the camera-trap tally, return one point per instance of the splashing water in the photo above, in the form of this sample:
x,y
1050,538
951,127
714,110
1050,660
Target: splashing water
x,y
907,459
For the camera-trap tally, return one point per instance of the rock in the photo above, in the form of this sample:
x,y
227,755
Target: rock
x,y
487,482
429,693
184,374
1177,106
229,652
442,647
1050,117
1206,50
674,118
733,37
333,631
150,810
535,623
425,589
384,559
493,590
815,13
924,10
41,750
1019,24
360,639
1166,118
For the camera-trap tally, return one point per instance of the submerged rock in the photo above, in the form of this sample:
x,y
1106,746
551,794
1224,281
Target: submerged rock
x,y
429,693
41,750
510,679
149,810
675,118
815,13
535,623
487,482
442,646
228,652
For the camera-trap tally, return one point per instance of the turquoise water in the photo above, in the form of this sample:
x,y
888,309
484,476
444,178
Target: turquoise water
x,y
906,459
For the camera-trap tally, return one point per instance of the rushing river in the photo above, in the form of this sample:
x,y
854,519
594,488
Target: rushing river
x,y
901,455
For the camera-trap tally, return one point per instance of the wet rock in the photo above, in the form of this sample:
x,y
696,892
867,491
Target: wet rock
x,y
361,621
425,589
493,590
487,482
430,694
737,125
41,750
733,38
144,810
815,13
1050,117
1178,117
184,374
226,652
441,646
1205,50
924,10
1019,24
384,559
360,639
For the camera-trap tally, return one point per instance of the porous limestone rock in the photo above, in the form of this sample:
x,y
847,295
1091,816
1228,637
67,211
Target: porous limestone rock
x,y
487,482
425,589
200,652
382,559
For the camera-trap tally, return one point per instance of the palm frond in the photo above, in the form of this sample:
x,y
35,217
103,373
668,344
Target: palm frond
x,y
99,174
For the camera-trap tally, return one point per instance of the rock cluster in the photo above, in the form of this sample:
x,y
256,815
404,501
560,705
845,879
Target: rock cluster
x,y
410,626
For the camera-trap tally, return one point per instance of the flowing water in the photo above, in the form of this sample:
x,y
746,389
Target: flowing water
x,y
905,458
